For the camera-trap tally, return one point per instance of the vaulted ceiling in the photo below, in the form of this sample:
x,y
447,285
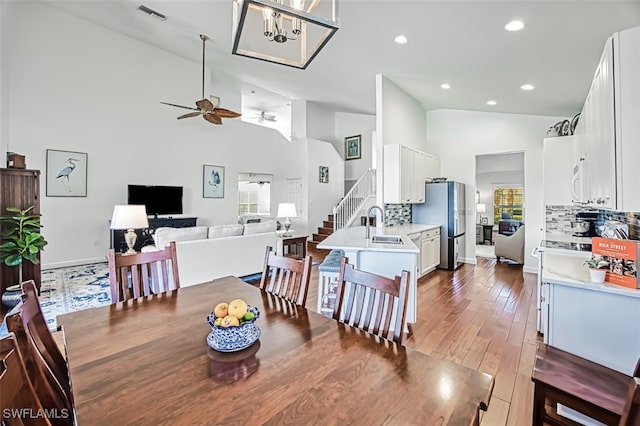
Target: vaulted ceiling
x,y
462,43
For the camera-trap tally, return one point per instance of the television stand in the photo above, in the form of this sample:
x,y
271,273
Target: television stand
x,y
145,236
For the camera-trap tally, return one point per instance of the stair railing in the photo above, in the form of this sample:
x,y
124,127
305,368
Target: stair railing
x,y
346,210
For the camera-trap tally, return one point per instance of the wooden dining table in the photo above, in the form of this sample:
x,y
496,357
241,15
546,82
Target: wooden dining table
x,y
146,362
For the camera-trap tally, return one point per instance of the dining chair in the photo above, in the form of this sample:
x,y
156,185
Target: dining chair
x,y
373,303
16,391
50,392
143,274
44,342
286,277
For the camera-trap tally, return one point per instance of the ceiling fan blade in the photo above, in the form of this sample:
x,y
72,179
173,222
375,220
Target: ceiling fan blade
x,y
226,113
212,118
189,115
205,104
179,106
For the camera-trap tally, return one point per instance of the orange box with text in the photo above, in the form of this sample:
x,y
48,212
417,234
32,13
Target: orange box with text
x,y
623,260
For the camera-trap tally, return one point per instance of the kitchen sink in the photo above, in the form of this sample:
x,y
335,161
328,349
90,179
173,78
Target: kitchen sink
x,y
387,239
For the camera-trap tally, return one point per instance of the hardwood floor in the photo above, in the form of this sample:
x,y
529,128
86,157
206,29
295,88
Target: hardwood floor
x,y
483,317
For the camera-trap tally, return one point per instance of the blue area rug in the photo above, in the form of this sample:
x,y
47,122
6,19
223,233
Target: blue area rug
x,y
72,289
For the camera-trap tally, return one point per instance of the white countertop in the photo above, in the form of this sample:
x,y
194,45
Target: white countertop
x,y
566,238
411,228
557,277
353,238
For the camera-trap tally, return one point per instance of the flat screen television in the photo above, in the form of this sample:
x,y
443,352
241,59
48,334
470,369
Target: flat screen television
x,y
157,199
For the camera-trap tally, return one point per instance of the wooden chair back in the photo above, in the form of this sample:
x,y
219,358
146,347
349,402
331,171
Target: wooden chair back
x,y
50,392
366,301
16,391
631,412
143,274
34,321
286,277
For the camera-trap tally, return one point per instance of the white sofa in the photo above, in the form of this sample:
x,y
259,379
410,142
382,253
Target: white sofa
x,y
217,251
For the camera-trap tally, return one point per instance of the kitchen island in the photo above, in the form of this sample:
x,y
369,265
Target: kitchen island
x,y
388,259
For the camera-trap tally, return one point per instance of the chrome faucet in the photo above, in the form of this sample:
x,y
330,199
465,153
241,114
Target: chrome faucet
x,y
369,214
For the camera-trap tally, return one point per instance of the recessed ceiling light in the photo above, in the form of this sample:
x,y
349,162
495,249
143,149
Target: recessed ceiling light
x,y
514,26
445,86
527,87
400,39
492,103
253,92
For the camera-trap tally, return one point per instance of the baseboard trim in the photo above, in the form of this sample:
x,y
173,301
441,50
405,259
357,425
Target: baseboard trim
x,y
472,261
530,269
76,262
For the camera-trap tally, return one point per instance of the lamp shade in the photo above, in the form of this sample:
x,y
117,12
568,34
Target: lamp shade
x,y
287,210
129,217
481,207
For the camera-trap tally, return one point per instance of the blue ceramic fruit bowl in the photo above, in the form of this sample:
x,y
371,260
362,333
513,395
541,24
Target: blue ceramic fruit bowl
x,y
234,338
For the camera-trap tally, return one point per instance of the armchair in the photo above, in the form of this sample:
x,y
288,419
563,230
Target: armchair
x,y
511,246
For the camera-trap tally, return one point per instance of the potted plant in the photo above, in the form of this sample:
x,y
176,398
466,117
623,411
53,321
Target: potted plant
x,y
21,238
597,268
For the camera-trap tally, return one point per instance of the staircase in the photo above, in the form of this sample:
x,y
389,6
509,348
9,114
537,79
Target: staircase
x,y
323,232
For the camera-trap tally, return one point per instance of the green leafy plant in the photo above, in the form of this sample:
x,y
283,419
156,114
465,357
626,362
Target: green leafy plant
x,y
21,238
596,263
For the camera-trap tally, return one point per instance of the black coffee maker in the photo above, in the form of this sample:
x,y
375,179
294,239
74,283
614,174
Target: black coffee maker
x,y
585,224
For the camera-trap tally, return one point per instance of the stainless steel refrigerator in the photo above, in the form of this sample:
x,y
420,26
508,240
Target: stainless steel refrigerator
x,y
445,206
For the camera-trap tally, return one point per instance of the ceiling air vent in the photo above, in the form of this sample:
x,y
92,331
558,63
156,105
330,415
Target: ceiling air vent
x,y
157,15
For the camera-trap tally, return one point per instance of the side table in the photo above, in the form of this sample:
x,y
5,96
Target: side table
x,y
292,246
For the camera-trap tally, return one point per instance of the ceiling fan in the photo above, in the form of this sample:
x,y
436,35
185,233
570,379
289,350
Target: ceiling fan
x,y
263,116
205,107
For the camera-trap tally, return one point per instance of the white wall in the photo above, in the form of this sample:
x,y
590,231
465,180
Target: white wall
x,y
348,124
325,195
320,122
4,88
100,93
400,118
458,136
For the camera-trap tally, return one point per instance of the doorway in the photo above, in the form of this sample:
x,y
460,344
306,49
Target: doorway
x,y
499,193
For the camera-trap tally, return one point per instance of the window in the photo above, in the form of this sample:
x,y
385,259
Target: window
x,y
508,200
254,194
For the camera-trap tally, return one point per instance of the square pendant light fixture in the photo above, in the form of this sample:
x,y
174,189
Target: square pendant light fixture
x,y
286,32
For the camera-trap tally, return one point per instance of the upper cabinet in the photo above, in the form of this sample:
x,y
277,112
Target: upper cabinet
x,y
405,173
558,172
609,129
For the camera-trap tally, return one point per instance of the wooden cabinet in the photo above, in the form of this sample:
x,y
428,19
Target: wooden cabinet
x,y
19,188
145,236
405,173
608,128
429,251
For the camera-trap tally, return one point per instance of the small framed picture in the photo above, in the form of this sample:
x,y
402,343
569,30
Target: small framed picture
x,y
66,173
485,220
324,174
352,145
213,181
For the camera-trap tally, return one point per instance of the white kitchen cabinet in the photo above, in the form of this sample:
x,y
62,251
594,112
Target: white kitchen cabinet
x,y
609,127
429,251
404,174
432,167
598,322
558,171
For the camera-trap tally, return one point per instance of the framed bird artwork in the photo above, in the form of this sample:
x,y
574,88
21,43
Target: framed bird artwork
x,y
213,181
66,173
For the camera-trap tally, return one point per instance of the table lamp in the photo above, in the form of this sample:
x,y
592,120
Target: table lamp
x,y
129,217
481,208
287,210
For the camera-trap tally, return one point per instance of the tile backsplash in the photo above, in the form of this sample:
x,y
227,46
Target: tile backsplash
x,y
558,219
397,214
